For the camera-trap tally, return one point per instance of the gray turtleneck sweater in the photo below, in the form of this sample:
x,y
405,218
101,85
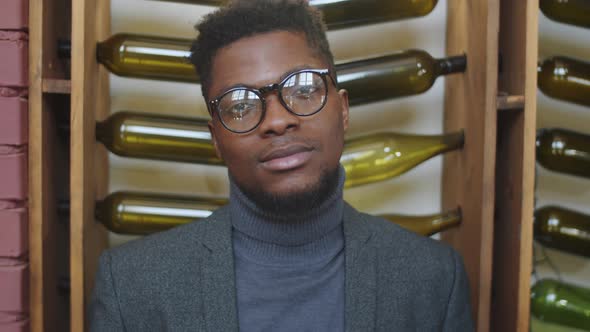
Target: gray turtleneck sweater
x,y
289,273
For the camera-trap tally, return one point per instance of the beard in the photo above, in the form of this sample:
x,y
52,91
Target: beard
x,y
298,202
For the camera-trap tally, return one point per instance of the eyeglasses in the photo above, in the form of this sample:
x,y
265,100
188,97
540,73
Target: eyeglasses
x,y
302,93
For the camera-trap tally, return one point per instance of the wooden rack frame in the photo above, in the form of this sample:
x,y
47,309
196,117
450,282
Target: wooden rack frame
x,y
491,179
89,164
48,166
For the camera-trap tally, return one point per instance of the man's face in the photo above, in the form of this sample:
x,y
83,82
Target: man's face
x,y
286,154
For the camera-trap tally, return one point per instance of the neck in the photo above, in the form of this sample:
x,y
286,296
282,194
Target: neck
x,y
287,229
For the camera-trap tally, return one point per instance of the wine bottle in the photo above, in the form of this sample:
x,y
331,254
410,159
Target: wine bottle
x,y
149,57
367,159
350,13
173,138
560,303
576,12
563,150
381,156
563,229
565,78
146,213
398,74
367,80
428,224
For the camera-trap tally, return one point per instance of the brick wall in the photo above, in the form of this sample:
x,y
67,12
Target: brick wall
x,y
14,266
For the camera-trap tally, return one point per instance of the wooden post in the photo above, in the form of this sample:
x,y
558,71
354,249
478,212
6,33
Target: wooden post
x,y
515,167
89,164
48,163
468,177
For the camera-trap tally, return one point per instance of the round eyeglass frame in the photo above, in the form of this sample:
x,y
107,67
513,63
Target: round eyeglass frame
x,y
261,92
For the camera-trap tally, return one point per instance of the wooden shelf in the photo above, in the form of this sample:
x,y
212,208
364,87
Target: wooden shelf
x,y
57,86
505,102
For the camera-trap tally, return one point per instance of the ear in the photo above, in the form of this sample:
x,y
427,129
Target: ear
x,y
343,94
214,138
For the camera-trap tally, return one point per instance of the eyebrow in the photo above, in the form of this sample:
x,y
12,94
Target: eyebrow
x,y
281,78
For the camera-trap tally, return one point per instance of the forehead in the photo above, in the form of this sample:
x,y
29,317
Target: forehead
x,y
261,59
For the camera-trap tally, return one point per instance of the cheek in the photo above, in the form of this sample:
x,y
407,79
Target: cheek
x,y
227,145
332,136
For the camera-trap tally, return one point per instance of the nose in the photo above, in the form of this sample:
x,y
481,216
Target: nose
x,y
277,120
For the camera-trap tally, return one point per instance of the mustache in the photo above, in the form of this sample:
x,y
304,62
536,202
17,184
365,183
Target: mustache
x,y
284,142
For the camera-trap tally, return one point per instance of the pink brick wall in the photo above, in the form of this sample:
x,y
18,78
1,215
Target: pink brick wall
x,y
14,52
14,124
14,14
14,246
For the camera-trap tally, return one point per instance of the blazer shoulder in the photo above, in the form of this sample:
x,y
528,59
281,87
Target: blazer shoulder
x,y
392,239
168,245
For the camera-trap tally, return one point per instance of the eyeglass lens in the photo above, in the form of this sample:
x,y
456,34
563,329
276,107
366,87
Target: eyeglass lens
x,y
303,93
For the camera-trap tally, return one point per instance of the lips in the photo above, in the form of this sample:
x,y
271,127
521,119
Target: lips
x,y
287,157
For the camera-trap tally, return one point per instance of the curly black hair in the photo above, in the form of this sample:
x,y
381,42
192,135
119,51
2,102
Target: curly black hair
x,y
245,18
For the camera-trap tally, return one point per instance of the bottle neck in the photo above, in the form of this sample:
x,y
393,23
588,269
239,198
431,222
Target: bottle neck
x,y
101,51
98,208
450,65
447,220
100,133
454,141
64,48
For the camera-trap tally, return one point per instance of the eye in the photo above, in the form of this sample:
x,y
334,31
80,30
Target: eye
x,y
304,91
241,110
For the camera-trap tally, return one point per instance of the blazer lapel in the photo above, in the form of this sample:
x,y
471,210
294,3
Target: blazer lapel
x,y
360,275
218,276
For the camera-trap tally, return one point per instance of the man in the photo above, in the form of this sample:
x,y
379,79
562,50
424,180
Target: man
x,y
287,253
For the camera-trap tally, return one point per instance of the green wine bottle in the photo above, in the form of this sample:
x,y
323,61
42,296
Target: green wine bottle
x,y
136,213
566,79
576,12
394,75
150,136
150,57
367,159
561,303
367,80
563,150
429,224
381,156
145,213
563,229
350,13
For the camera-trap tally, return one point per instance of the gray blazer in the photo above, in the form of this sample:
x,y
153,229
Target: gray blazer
x,y
183,280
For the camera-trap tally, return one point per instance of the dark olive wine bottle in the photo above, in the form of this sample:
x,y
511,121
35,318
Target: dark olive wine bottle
x,y
151,136
367,80
350,13
563,229
560,303
563,150
576,12
394,75
150,57
566,79
367,159
136,213
145,213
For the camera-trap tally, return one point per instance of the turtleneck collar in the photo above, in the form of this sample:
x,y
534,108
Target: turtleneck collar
x,y
293,230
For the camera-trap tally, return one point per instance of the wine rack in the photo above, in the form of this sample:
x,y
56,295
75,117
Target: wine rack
x,y
491,179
